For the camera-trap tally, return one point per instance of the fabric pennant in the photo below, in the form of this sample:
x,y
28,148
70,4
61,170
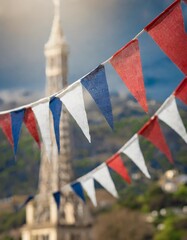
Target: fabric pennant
x,y
133,151
17,120
31,125
116,163
41,112
127,63
152,132
168,31
6,126
77,188
89,188
102,176
29,199
74,102
181,91
56,109
57,198
96,84
169,114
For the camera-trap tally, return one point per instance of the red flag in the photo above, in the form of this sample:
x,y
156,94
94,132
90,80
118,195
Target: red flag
x,y
168,32
5,124
116,163
30,123
152,132
127,63
181,91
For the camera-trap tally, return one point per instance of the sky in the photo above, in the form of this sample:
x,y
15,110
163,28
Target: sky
x,y
94,30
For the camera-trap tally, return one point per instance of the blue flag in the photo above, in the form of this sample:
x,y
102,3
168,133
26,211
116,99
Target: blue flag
x,y
56,109
96,84
77,188
29,198
57,197
16,119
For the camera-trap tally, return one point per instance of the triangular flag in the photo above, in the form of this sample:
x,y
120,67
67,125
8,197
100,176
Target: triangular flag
x,y
102,176
17,120
28,199
168,31
5,124
116,163
56,109
181,91
41,112
96,84
152,132
74,102
30,123
57,198
127,63
169,114
133,151
89,188
77,188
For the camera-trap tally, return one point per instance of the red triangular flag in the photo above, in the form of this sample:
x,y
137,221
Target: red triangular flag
x,y
31,125
5,124
127,63
116,163
181,91
168,32
152,132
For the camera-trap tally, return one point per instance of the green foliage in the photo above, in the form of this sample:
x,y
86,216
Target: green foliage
x,y
11,220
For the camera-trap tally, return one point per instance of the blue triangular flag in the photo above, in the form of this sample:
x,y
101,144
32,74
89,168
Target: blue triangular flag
x,y
57,197
56,109
96,84
77,188
16,119
29,198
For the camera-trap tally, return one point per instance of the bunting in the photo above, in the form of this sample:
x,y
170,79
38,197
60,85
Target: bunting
x,y
41,112
116,164
169,114
102,176
152,132
30,123
89,188
56,109
74,102
168,31
96,84
77,188
57,198
6,126
127,63
181,91
16,119
133,151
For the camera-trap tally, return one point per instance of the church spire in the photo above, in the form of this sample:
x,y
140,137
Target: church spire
x,y
56,35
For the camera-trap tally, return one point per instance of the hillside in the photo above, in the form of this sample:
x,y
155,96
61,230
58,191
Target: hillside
x,y
20,176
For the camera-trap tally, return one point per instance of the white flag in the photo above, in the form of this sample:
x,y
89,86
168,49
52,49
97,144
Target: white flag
x,y
102,176
89,188
74,102
41,112
169,114
133,151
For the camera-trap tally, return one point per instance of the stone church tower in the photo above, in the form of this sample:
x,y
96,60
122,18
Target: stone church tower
x,y
43,220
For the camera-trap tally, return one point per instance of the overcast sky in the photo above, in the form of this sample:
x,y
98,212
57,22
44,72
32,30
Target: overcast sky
x,y
94,30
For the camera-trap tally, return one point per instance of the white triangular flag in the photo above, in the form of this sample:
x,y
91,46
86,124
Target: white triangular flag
x,y
169,114
74,102
41,112
133,151
102,176
89,188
